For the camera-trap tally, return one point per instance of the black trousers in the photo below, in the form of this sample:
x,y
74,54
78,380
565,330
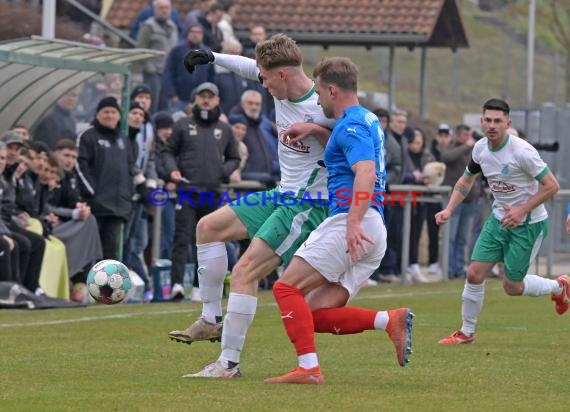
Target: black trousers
x,y
187,216
416,223
392,259
433,231
9,261
32,247
110,231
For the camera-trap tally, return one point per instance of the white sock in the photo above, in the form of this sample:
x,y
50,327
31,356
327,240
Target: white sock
x,y
212,269
241,310
308,360
472,303
538,286
381,320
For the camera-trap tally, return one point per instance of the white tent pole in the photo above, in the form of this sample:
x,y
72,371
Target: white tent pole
x,y
48,19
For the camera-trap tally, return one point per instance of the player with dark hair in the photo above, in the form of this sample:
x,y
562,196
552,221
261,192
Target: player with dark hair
x,y
520,182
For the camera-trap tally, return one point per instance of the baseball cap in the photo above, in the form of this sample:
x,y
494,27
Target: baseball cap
x,y
444,128
11,136
207,86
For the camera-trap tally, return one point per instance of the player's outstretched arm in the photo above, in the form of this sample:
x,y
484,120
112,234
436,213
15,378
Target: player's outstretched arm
x,y
243,66
459,193
240,65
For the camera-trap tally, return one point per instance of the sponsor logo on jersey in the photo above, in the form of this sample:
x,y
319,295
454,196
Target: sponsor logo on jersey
x,y
505,171
501,187
296,146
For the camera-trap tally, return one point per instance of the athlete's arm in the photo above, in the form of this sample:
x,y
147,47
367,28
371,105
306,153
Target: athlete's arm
x,y
243,66
516,214
364,178
459,193
300,131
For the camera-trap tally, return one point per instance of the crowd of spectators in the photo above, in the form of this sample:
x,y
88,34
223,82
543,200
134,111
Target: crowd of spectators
x,y
73,190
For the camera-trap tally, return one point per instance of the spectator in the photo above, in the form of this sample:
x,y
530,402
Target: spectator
x,y
80,235
142,94
201,154
239,130
32,197
22,130
31,246
257,34
109,84
177,82
77,227
136,231
209,21
419,157
157,33
163,123
105,167
230,8
260,139
390,266
230,84
456,155
442,139
392,153
59,123
9,249
148,11
192,16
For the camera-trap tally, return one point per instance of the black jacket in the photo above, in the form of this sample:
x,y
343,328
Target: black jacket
x,y
105,168
205,154
64,197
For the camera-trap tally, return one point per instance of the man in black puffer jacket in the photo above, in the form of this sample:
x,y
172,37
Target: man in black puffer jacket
x,y
200,155
105,167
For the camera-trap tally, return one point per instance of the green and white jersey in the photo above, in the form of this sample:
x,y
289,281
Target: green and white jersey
x,y
512,171
299,162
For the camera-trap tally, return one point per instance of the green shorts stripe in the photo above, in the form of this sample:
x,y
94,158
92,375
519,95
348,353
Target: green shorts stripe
x,y
516,247
282,221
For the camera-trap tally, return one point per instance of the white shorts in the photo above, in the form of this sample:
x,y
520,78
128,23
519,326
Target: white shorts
x,y
326,250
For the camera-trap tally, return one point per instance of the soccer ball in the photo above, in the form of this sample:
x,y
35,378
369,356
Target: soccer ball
x,y
108,282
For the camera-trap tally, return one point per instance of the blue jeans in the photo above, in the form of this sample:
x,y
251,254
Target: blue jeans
x,y
460,225
167,229
136,240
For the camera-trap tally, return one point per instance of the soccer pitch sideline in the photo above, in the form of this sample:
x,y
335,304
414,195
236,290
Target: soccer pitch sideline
x,y
120,359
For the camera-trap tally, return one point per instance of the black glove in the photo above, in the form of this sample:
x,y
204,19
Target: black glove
x,y
196,57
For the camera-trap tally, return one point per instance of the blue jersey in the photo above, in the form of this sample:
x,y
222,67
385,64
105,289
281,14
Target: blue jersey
x,y
357,136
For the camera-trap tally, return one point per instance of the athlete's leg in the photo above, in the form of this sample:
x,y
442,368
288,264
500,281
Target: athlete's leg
x,y
212,231
256,263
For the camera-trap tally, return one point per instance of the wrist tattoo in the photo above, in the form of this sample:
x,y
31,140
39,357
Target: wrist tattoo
x,y
464,190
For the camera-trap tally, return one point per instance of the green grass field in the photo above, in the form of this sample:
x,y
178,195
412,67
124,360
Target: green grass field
x,y
120,359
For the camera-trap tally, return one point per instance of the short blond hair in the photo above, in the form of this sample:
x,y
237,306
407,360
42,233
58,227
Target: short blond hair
x,y
278,51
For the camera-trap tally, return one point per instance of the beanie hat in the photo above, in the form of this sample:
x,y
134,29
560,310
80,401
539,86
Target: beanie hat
x,y
108,101
140,89
163,120
237,118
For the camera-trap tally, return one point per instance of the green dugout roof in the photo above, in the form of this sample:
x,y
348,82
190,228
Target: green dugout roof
x,y
35,72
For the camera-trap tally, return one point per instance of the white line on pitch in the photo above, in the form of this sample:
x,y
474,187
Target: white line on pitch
x,y
169,312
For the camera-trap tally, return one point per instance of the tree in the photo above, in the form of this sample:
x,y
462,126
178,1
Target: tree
x,y
560,28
